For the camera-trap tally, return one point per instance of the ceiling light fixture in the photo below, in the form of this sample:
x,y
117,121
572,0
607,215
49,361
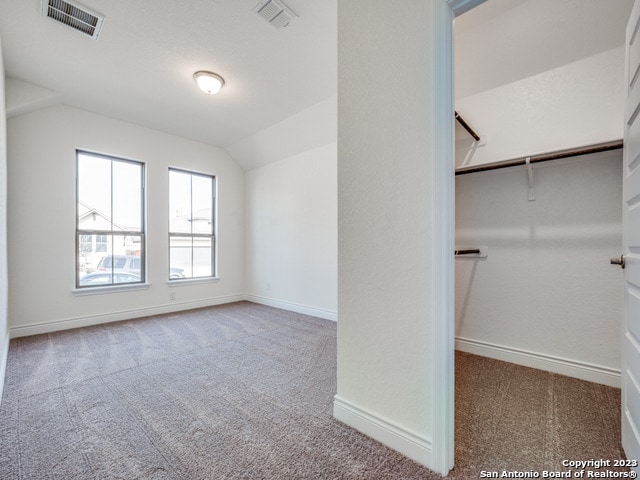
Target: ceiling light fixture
x,y
209,82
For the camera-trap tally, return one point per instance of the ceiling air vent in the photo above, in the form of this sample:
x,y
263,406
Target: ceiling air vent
x,y
73,15
275,12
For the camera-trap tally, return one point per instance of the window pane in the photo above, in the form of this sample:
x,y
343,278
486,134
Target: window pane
x,y
111,262
127,196
180,255
97,279
121,264
202,257
108,278
101,243
91,250
90,262
86,244
123,277
179,202
94,193
202,201
127,249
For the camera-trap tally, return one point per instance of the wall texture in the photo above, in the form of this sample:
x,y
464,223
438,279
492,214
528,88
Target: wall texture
x,y
386,209
4,328
291,233
503,41
574,105
546,295
41,198
307,130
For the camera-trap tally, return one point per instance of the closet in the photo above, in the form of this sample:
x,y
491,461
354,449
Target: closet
x,y
539,186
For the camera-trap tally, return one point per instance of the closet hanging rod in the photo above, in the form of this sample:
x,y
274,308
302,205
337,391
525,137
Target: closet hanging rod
x,y
468,251
544,157
466,126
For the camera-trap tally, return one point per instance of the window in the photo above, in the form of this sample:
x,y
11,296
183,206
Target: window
x,y
191,225
93,243
109,221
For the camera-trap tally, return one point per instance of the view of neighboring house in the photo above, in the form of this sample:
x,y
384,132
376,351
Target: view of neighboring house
x,y
94,248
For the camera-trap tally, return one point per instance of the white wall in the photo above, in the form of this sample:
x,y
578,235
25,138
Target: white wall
x,y
307,130
574,105
4,328
546,295
388,90
291,232
24,97
41,202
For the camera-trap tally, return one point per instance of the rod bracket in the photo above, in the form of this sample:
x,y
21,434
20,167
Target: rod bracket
x,y
532,188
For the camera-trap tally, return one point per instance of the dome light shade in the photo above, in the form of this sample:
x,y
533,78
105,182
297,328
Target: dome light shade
x,y
209,82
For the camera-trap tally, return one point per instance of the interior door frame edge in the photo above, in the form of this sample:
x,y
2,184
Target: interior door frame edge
x,y
443,188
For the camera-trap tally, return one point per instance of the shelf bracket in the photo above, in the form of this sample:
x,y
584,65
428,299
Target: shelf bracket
x,y
532,188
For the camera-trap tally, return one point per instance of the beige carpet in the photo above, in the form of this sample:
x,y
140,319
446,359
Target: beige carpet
x,y
245,391
510,417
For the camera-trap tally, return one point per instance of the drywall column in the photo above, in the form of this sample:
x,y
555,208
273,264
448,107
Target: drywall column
x,y
395,174
4,329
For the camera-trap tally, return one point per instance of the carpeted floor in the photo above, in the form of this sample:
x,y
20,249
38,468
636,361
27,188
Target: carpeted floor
x,y
510,417
245,391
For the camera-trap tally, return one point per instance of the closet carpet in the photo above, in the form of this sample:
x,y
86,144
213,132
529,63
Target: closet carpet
x,y
245,391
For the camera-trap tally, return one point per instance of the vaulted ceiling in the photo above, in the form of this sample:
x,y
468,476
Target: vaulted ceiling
x,y
141,68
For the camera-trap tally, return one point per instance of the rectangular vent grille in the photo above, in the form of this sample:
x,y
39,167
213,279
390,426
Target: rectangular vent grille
x,y
73,15
275,12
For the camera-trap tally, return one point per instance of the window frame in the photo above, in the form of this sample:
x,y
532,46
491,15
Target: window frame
x,y
112,233
213,236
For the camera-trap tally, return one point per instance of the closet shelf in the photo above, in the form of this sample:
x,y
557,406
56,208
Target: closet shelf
x,y
544,157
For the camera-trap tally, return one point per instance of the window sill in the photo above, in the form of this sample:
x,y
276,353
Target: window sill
x,y
81,292
192,281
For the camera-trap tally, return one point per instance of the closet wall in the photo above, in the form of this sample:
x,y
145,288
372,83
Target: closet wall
x,y
573,105
546,295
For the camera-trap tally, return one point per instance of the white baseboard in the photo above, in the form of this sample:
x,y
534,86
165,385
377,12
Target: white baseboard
x,y
65,324
4,356
293,307
563,366
410,444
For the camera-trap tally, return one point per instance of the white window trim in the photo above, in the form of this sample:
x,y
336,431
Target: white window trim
x,y
192,281
115,288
